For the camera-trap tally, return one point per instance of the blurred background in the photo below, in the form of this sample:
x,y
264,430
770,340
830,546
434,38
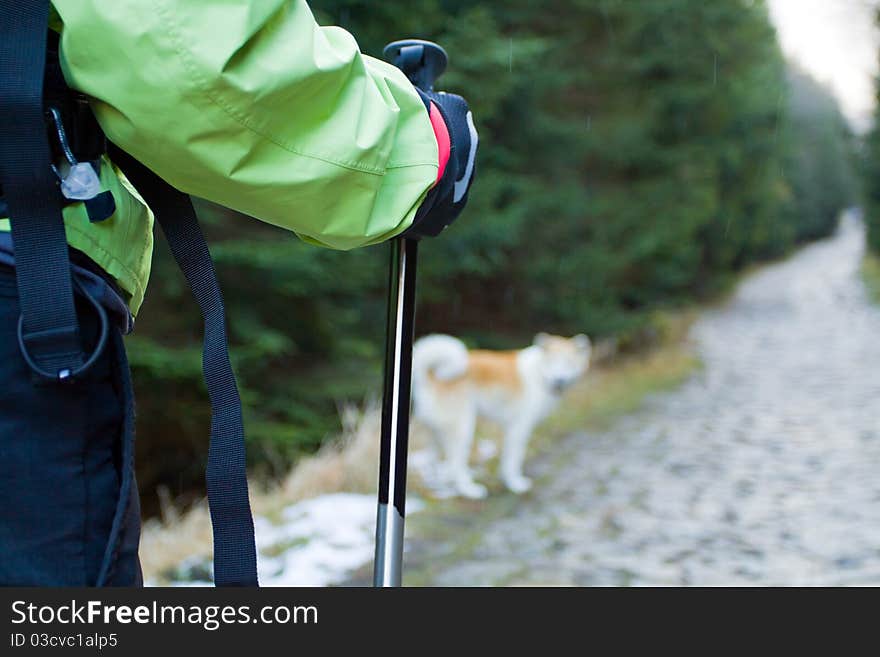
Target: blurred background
x,y
641,163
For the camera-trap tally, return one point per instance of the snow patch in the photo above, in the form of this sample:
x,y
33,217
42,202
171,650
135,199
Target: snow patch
x,y
317,543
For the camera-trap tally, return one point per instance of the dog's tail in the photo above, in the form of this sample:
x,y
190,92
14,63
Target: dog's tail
x,y
444,357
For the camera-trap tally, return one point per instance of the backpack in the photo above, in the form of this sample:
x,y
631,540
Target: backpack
x,y
48,332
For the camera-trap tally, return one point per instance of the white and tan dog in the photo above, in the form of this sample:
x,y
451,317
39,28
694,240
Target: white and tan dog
x,y
517,389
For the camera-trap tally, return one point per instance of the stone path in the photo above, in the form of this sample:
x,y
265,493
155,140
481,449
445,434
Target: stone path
x,y
763,469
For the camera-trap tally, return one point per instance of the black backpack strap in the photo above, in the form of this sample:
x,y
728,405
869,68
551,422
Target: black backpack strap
x,y
235,554
48,329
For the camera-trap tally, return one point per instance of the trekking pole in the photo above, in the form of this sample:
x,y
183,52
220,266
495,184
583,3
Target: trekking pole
x,y
423,62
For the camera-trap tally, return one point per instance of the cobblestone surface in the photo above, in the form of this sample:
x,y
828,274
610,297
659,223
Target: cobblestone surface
x,y
763,469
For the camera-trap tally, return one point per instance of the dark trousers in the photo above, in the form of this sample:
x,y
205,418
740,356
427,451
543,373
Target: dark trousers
x,y
69,510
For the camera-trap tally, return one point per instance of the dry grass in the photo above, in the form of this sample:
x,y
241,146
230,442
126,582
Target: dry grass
x,y
871,276
349,464
168,542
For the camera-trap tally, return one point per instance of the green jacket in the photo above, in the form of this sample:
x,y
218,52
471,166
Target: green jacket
x,y
252,105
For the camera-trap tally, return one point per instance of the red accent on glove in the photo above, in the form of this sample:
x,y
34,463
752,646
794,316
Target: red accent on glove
x,y
444,142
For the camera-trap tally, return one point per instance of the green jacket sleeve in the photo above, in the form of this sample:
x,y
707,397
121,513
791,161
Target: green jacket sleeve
x,y
252,105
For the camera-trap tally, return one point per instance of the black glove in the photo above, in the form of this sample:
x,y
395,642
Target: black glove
x,y
448,197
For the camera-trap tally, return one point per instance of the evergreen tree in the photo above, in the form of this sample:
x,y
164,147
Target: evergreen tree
x,y
633,155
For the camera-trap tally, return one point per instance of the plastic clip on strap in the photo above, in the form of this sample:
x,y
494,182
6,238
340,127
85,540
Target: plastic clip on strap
x,y
235,554
48,330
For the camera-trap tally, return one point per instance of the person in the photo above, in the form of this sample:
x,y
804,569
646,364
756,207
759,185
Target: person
x,y
248,103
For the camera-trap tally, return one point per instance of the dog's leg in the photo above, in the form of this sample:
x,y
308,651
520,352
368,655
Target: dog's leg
x,y
435,432
436,470
462,440
428,413
513,455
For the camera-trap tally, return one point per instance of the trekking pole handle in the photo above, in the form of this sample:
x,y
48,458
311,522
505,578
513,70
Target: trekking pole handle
x,y
422,61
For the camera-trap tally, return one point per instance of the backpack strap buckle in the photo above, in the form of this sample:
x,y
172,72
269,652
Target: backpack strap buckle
x,y
59,348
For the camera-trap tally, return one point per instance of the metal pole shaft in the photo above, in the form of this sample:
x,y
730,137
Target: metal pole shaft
x,y
395,414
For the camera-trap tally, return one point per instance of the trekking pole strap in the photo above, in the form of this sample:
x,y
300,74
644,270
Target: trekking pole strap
x,y
49,330
235,555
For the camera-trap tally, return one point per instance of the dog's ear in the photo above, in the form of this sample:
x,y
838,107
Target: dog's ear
x,y
582,342
541,340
